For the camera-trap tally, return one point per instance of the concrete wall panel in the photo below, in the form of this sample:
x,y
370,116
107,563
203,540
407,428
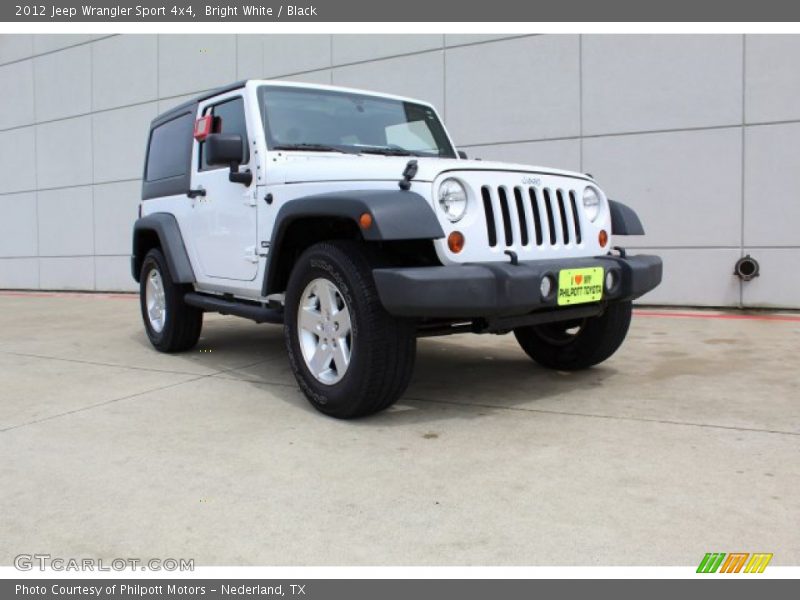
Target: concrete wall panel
x,y
18,160
652,82
190,63
417,76
778,285
65,222
64,152
115,210
120,141
697,132
772,185
63,83
19,274
16,99
18,225
772,81
66,273
686,186
363,47
291,54
514,90
124,71
15,47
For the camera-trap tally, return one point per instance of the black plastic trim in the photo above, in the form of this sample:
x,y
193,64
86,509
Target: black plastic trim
x,y
165,226
174,186
396,215
254,312
180,184
624,220
201,97
502,289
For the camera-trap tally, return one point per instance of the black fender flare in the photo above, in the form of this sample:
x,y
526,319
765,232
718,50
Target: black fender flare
x,y
624,220
396,215
166,228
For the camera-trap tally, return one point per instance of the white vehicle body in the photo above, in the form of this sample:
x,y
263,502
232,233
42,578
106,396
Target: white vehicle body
x,y
538,212
350,219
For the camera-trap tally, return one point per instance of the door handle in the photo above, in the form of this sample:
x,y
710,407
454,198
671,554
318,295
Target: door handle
x,y
195,193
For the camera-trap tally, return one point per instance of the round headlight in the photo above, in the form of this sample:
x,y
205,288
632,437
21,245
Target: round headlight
x,y
453,199
591,203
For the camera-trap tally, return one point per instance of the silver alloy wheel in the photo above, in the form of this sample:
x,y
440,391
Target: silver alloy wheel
x,y
156,301
324,331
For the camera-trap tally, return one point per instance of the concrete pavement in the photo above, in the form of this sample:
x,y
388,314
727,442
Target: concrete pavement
x,y
687,441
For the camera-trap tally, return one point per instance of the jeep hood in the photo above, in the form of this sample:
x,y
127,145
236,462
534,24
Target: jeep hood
x,y
315,167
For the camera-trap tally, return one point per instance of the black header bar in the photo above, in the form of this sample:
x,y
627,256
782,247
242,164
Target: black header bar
x,y
465,11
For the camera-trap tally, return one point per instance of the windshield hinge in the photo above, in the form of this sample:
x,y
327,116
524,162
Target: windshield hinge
x,y
408,174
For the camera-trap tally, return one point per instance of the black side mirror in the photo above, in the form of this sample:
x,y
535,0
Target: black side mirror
x,y
224,149
462,154
227,149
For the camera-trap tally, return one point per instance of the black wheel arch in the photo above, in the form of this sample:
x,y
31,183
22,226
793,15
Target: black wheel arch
x,y
161,230
396,216
624,220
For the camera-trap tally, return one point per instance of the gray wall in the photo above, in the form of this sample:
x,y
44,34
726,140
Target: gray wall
x,y
698,133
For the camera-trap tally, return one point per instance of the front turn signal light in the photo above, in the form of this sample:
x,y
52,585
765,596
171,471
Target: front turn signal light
x,y
602,237
365,220
455,241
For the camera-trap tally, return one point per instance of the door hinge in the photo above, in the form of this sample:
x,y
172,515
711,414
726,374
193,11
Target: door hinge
x,y
251,199
250,254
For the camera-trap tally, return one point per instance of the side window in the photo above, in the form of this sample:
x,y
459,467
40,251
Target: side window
x,y
169,144
228,118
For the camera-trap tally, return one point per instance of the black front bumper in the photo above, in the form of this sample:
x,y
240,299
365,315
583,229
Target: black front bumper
x,y
476,290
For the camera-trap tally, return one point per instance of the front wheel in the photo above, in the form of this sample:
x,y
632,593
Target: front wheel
x,y
579,344
349,356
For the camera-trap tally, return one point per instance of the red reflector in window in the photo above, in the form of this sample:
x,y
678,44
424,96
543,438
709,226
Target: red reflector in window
x,y
202,127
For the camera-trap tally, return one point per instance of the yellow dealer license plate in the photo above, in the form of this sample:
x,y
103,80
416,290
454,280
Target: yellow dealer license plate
x,y
578,286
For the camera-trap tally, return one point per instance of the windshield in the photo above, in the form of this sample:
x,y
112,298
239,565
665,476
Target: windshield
x,y
333,121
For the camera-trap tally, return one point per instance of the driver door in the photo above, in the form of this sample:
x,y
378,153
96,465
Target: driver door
x,y
225,219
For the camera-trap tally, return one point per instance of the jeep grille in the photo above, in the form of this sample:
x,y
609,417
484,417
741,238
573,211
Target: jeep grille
x,y
527,216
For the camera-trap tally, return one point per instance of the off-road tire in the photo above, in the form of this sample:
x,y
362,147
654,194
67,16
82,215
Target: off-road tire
x,y
183,323
596,340
383,347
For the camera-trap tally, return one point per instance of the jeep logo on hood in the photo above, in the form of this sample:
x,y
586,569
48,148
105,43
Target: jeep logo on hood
x,y
531,181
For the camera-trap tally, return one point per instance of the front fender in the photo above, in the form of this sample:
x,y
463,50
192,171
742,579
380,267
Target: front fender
x,y
624,220
396,215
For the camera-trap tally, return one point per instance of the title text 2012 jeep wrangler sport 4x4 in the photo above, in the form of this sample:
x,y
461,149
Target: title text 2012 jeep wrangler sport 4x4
x,y
350,218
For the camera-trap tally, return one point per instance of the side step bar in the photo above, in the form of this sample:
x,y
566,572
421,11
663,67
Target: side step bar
x,y
255,312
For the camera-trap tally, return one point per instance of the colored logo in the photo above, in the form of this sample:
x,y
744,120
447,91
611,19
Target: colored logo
x,y
734,562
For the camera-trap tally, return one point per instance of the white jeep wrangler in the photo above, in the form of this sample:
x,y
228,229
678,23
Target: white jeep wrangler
x,y
350,218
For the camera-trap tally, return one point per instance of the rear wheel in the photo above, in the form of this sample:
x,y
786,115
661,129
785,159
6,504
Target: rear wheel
x,y
349,356
579,344
171,324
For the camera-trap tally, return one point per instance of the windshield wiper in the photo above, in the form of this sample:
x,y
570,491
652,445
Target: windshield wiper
x,y
389,151
313,148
